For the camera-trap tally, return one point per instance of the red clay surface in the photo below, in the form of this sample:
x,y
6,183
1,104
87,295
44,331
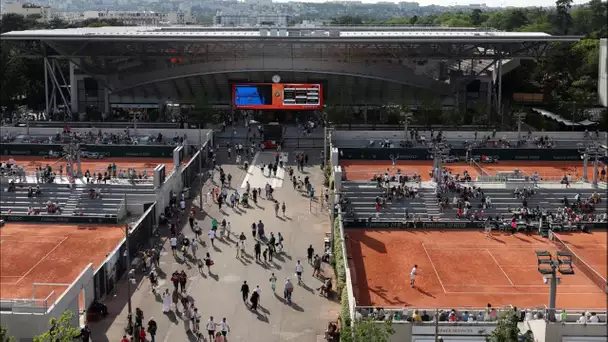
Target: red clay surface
x,y
99,165
365,169
591,248
550,170
50,253
460,269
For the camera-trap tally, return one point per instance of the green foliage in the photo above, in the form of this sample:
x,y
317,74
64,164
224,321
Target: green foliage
x,y
203,112
63,330
4,336
338,259
367,330
507,330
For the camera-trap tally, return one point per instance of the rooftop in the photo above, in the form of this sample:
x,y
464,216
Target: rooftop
x,y
397,34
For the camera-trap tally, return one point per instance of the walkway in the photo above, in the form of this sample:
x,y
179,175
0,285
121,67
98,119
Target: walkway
x,y
219,295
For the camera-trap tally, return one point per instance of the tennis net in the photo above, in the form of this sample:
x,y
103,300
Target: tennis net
x,y
580,264
479,168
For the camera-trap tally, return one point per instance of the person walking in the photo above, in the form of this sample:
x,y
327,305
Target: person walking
x,y
210,326
245,291
299,271
225,328
316,266
288,290
280,244
212,236
173,241
253,229
273,282
257,249
166,301
183,279
208,262
255,297
309,252
283,208
152,327
413,273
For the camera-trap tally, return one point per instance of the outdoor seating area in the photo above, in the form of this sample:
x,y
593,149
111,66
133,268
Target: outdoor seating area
x,y
106,199
504,202
99,200
22,199
359,203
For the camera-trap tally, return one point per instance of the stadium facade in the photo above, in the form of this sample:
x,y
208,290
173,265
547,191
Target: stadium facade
x,y
151,66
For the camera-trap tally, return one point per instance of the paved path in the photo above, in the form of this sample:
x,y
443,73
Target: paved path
x,y
218,294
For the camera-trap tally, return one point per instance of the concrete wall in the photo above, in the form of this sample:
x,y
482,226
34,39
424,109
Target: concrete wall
x,y
195,137
172,183
543,332
24,326
338,136
558,331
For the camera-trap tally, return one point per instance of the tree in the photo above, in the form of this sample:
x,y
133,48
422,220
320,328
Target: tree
x,y
4,336
563,19
62,330
367,330
476,19
507,330
203,112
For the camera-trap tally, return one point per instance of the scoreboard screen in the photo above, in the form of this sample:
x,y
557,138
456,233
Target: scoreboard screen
x,y
294,96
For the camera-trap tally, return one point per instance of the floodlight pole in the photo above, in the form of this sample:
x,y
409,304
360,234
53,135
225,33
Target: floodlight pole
x,y
128,257
553,291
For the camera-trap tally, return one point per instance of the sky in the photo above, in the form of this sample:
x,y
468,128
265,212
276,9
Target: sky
x,y
491,3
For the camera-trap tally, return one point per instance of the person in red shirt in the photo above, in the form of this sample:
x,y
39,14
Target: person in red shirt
x,y
124,339
142,334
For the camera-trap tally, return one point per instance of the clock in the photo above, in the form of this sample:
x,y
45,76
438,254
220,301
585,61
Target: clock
x,y
276,79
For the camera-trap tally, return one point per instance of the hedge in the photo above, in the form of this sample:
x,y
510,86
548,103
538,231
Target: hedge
x,y
338,259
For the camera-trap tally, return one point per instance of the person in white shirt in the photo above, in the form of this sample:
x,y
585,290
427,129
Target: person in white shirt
x,y
224,327
212,236
593,318
210,326
582,319
299,270
413,273
173,241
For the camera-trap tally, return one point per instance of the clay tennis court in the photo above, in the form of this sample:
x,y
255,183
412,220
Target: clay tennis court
x,y
589,248
462,269
550,170
50,253
97,165
365,169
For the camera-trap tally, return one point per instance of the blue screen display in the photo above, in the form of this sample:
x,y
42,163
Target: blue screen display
x,y
252,95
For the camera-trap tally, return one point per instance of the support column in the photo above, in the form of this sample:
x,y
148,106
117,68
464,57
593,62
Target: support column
x,y
73,89
489,98
553,295
499,100
106,101
596,166
46,85
585,163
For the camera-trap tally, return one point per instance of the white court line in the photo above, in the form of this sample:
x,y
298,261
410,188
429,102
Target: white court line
x,y
509,286
435,269
42,259
497,264
523,293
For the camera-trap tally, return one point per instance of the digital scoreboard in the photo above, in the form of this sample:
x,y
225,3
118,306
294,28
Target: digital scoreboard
x,y
286,96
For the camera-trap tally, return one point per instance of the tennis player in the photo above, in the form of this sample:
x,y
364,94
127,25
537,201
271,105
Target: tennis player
x,y
488,230
413,274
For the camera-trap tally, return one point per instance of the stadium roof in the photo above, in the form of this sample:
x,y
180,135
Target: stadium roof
x,y
335,34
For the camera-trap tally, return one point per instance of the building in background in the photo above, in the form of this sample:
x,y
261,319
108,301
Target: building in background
x,y
262,19
602,82
45,13
142,18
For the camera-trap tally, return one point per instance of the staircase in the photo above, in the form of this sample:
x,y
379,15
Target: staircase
x,y
430,202
72,202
